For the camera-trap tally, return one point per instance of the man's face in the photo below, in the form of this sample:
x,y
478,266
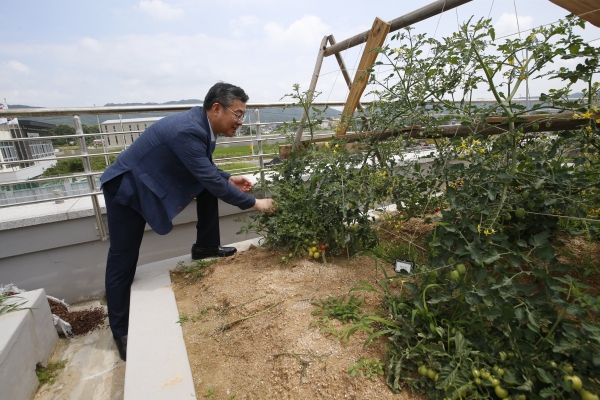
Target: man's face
x,y
225,120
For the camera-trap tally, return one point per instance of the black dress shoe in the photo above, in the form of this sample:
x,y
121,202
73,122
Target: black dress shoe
x,y
199,253
122,347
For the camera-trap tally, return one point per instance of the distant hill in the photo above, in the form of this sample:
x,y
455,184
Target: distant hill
x,y
266,114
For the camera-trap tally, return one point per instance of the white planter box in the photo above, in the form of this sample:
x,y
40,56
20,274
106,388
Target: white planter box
x,y
27,338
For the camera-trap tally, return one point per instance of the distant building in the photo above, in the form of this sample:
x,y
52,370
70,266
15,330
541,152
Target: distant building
x,y
123,132
27,153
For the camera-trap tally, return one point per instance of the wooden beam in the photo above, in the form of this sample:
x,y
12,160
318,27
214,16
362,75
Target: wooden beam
x,y
493,126
311,88
376,38
428,11
345,73
585,9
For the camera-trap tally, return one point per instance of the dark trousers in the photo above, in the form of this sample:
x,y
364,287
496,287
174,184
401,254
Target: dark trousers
x,y
126,229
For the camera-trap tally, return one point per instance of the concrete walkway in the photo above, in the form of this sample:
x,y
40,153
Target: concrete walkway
x,y
157,365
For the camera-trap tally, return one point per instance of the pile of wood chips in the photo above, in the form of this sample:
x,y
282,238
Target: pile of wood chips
x,y
82,322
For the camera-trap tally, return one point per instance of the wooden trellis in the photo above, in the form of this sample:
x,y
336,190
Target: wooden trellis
x,y
375,37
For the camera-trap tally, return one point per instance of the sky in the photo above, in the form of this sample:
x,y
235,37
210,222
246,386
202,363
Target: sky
x,y
73,53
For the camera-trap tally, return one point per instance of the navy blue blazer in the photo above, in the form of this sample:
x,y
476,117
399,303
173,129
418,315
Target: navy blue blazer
x,y
167,166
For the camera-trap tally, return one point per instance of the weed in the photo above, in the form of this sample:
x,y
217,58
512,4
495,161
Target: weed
x,y
210,393
335,307
6,308
368,367
183,318
196,270
48,373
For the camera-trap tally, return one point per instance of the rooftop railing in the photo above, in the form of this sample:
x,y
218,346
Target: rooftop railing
x,y
92,177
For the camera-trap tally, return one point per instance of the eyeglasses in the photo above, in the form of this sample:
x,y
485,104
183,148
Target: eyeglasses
x,y
240,118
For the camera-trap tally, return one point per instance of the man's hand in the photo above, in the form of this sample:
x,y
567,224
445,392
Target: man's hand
x,y
265,205
241,182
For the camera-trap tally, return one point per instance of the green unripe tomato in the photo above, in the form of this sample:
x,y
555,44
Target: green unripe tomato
x,y
507,217
500,372
576,383
433,274
485,374
461,269
501,392
495,382
477,381
567,368
525,194
520,213
543,196
475,373
290,255
422,370
553,364
431,373
531,205
454,275
316,255
585,395
522,397
495,368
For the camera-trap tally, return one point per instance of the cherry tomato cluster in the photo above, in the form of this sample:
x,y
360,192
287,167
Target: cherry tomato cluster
x,y
317,251
428,372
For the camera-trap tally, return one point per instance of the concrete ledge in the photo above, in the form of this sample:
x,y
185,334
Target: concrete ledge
x,y
157,362
27,337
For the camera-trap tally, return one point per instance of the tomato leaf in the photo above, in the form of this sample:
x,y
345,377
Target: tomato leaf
x,y
544,376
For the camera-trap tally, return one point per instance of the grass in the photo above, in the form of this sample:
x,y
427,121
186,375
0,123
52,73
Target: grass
x,y
238,166
239,151
370,368
49,373
195,270
6,308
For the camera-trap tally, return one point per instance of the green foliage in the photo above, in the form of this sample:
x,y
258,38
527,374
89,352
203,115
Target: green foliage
x,y
75,165
183,318
49,373
492,295
195,270
209,393
370,368
64,129
335,307
6,306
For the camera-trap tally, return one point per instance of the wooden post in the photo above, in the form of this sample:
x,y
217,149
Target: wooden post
x,y
376,38
347,78
311,89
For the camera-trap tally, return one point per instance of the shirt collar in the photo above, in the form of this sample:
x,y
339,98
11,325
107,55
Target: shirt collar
x,y
212,135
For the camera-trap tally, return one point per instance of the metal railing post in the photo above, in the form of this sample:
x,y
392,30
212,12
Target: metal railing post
x,y
261,161
87,167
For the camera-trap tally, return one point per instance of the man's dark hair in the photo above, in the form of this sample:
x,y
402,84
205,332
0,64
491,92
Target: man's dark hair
x,y
224,94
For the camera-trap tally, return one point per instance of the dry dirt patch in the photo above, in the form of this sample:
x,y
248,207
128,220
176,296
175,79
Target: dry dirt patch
x,y
249,330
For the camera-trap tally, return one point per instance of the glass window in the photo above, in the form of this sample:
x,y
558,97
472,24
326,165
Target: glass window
x,y
130,128
8,151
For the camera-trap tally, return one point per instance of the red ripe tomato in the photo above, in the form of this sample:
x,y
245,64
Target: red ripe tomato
x,y
323,247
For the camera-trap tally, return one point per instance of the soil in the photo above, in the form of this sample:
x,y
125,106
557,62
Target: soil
x,y
250,331
275,353
82,321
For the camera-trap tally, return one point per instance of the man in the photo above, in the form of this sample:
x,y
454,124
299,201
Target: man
x,y
157,177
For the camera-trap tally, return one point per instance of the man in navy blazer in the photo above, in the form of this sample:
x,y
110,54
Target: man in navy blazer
x,y
152,181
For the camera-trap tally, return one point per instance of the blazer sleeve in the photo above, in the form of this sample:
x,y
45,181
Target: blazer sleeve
x,y
190,146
